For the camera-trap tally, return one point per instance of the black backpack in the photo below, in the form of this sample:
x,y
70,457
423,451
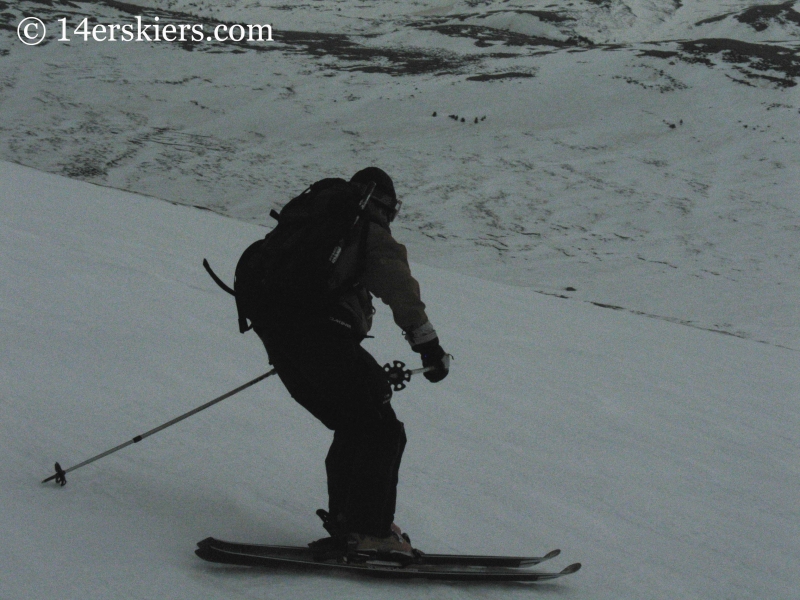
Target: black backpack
x,y
290,271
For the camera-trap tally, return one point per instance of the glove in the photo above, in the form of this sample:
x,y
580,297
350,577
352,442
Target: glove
x,y
433,355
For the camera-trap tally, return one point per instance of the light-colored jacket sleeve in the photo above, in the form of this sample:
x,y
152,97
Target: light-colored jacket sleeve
x,y
388,277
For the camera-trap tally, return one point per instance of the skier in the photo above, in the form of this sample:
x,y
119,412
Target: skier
x,y
320,360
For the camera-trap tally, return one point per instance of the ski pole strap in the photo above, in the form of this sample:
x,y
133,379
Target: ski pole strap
x,y
398,375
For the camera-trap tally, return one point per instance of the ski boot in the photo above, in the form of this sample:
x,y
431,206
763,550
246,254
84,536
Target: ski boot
x,y
395,547
341,544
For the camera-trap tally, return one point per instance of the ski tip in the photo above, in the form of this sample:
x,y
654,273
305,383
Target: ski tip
x,y
206,542
206,553
529,562
573,568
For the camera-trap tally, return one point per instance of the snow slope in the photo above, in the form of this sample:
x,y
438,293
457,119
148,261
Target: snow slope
x,y
663,457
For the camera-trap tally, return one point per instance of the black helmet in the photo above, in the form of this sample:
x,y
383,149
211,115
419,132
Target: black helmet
x,y
384,194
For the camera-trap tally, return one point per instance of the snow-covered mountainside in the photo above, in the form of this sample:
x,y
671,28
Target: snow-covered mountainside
x,y
641,155
662,457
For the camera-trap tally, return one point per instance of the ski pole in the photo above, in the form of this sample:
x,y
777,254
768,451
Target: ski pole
x,y
398,374
60,474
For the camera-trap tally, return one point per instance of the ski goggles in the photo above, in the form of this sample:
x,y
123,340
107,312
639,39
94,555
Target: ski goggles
x,y
390,205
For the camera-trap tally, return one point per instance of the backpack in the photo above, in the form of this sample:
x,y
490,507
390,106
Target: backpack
x,y
291,271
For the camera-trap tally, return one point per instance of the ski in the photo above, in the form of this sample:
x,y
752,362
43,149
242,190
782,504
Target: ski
x,y
466,560
292,557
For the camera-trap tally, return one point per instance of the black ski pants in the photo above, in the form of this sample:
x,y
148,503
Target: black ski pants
x,y
326,370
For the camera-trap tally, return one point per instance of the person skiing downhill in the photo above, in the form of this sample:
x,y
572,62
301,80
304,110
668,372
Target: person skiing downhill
x,y
320,360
